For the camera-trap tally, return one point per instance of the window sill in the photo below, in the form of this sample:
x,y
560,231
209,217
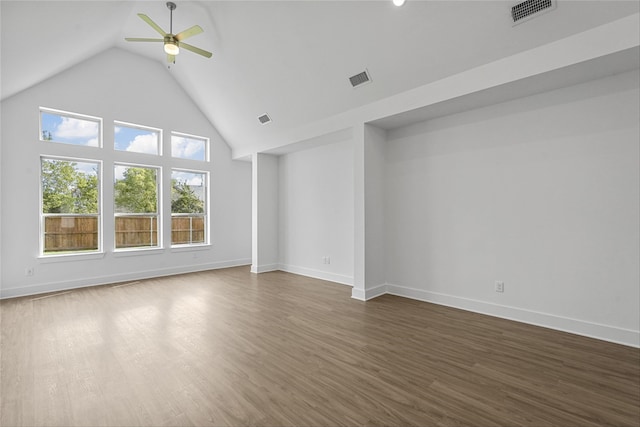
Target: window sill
x,y
137,252
44,259
190,248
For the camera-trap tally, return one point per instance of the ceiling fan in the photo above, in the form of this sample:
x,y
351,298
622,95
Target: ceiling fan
x,y
172,42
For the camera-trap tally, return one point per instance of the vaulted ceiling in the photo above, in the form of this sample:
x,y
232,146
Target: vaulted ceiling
x,y
290,59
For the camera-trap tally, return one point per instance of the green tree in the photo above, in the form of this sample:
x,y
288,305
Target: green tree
x,y
137,191
66,189
184,199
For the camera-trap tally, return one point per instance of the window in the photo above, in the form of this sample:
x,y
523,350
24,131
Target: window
x,y
136,206
188,207
70,128
190,147
71,187
70,198
137,139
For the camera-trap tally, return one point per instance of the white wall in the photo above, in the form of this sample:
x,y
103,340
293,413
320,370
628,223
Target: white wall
x,y
316,211
369,215
114,85
374,198
541,193
264,234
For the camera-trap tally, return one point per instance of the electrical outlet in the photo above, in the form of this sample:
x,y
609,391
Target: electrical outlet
x,y
328,260
29,271
499,286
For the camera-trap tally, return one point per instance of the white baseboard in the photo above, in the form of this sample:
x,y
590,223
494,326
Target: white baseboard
x,y
367,294
263,268
580,327
317,274
358,294
115,278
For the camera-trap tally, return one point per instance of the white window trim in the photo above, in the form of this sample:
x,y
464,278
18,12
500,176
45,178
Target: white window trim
x,y
106,156
72,115
141,127
207,146
160,247
207,213
84,254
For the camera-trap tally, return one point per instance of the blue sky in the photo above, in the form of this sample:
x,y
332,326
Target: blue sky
x,y
71,130
194,179
79,131
188,148
136,140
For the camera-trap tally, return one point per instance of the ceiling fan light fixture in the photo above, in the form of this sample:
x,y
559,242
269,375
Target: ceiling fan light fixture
x,y
171,48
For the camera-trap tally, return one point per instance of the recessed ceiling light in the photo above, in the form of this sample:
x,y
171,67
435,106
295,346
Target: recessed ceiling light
x,y
398,2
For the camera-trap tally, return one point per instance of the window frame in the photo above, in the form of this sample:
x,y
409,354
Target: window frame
x,y
99,215
158,213
207,146
120,123
72,115
106,159
206,215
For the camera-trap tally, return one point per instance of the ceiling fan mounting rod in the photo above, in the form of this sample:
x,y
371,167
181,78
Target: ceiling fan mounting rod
x,y
171,6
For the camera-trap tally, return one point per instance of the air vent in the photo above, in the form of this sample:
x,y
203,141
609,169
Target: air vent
x,y
528,9
360,79
264,119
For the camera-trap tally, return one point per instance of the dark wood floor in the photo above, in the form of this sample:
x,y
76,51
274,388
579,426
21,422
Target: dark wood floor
x,y
227,347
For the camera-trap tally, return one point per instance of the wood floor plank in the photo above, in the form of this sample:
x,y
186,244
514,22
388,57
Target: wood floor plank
x,y
230,348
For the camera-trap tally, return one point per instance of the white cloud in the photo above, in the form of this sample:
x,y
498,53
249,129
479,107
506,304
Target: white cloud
x,y
193,179
147,143
93,142
185,148
196,181
118,172
87,168
75,128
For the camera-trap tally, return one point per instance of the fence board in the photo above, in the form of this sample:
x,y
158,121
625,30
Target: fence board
x,y
70,233
80,233
136,231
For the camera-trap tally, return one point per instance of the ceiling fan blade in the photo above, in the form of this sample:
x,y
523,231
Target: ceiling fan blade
x,y
155,26
196,50
138,39
196,29
171,59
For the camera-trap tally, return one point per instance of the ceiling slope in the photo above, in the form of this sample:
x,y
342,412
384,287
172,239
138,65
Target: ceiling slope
x,y
290,59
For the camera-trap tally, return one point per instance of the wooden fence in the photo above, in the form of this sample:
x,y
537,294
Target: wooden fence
x,y
187,229
136,231
70,233
80,233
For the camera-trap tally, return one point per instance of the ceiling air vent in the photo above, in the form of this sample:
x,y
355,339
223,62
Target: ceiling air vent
x,y
360,79
264,119
530,8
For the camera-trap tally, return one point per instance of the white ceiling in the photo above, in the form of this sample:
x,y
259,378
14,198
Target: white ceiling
x,y
291,59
